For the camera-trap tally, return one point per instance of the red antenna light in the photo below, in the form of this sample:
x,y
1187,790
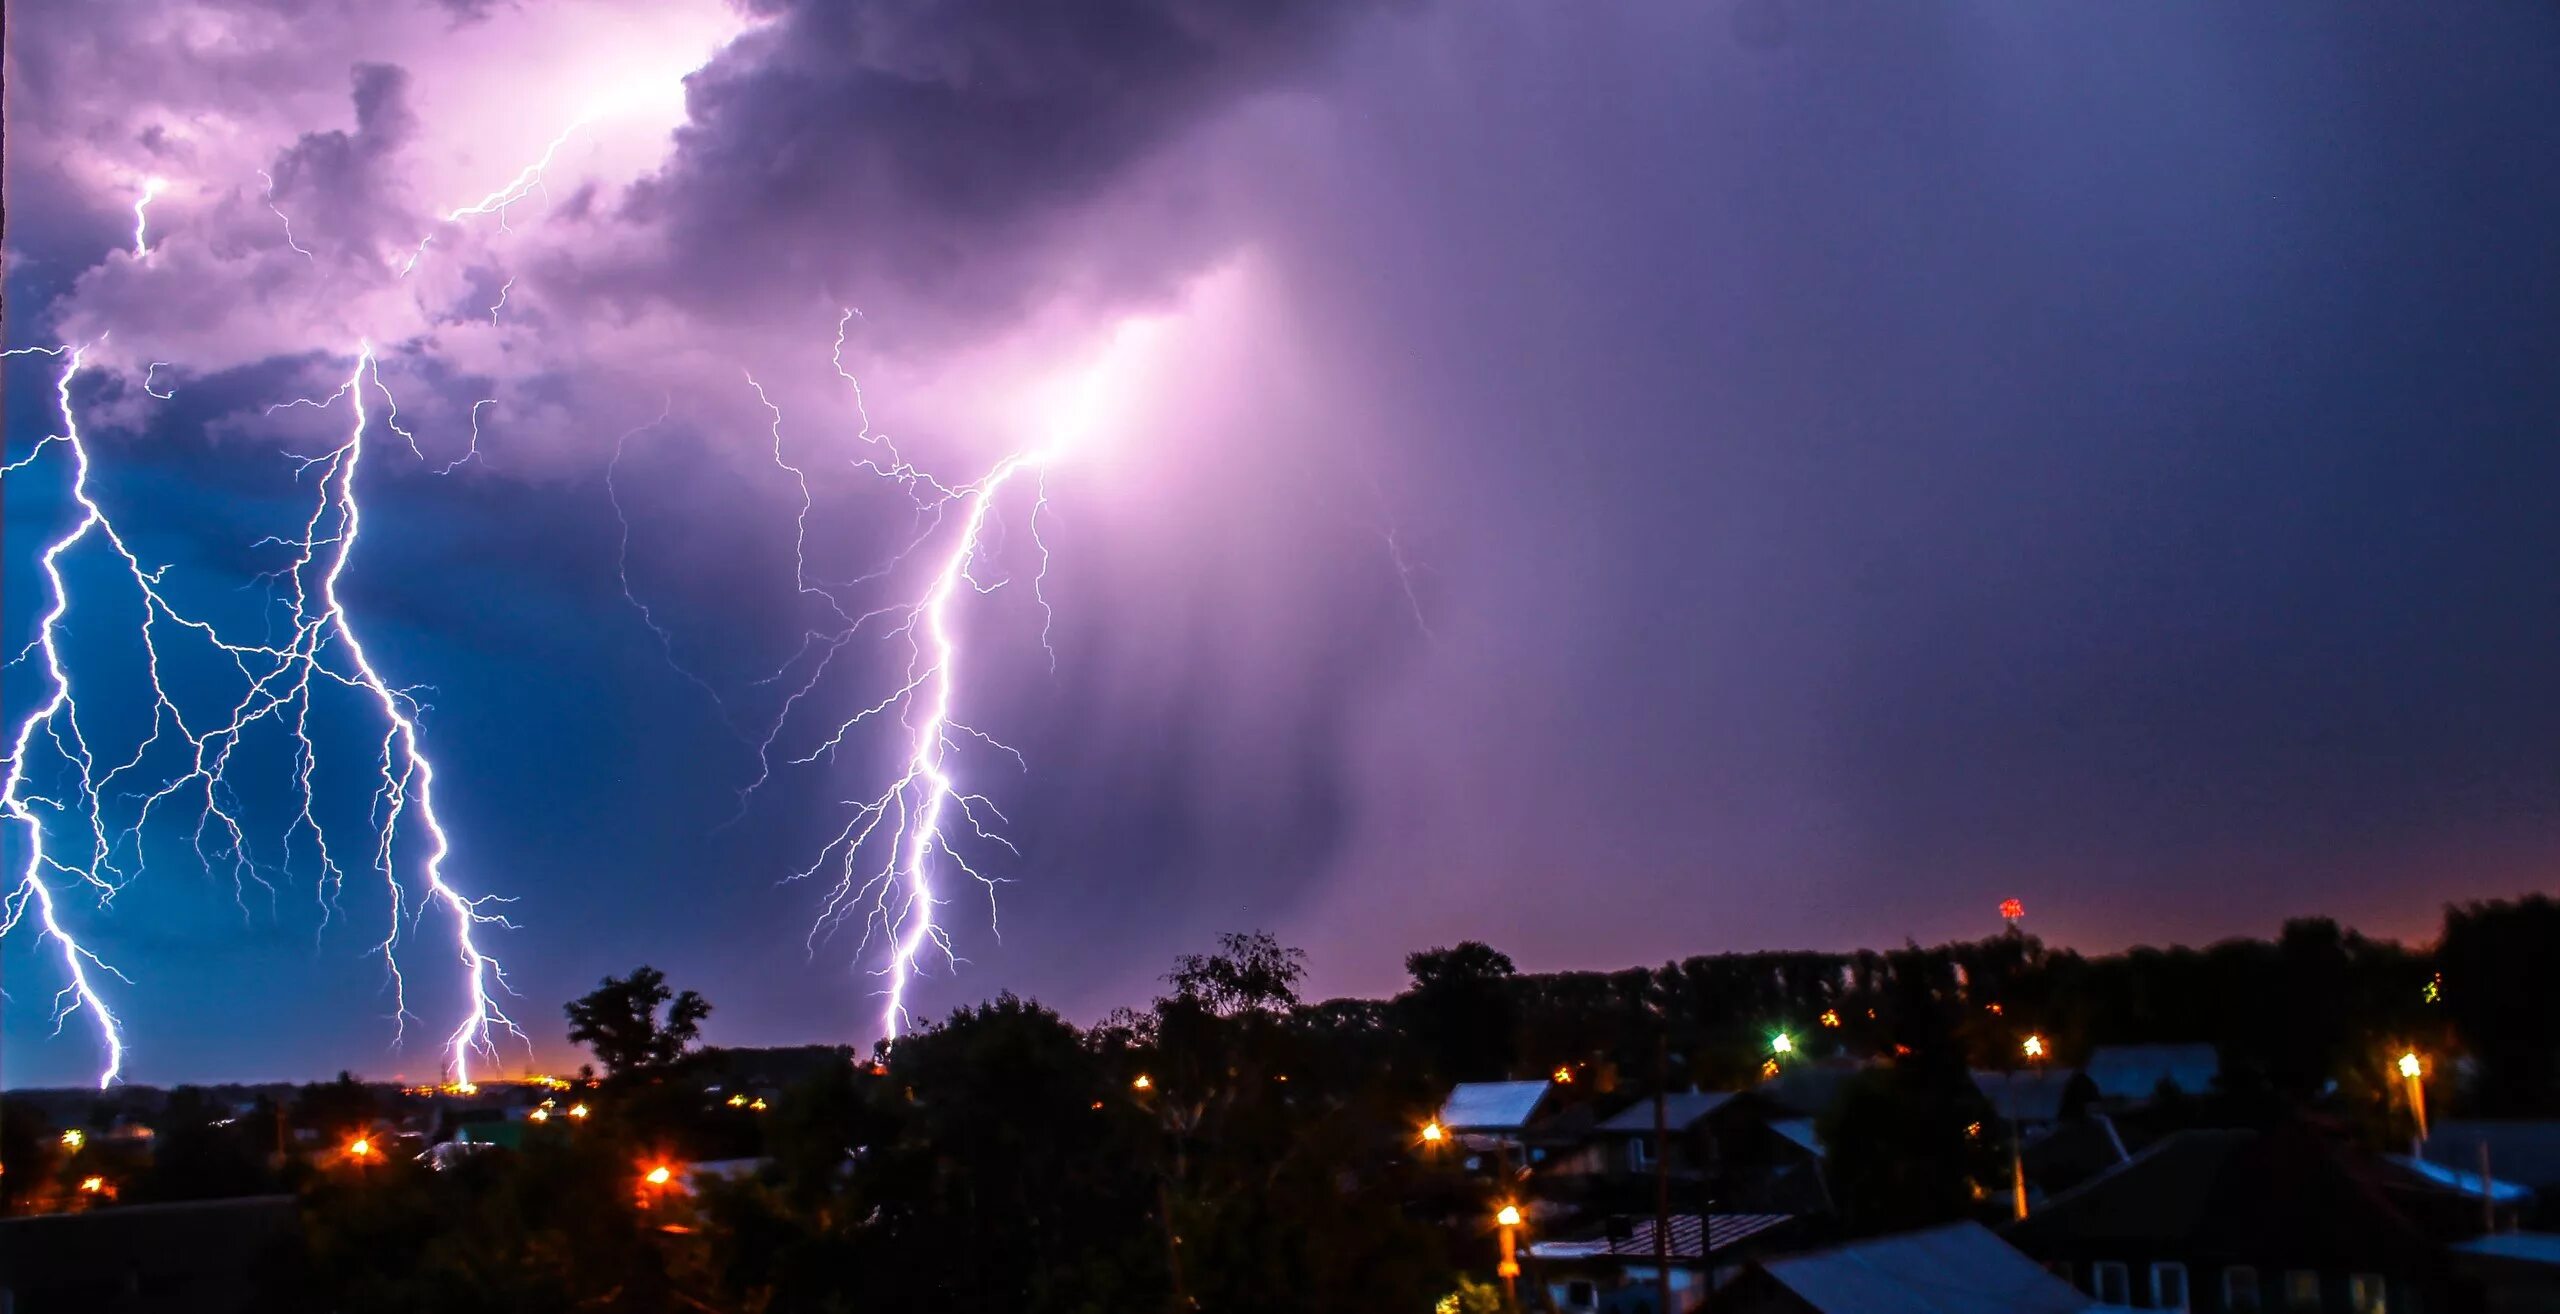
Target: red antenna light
x,y
2012,909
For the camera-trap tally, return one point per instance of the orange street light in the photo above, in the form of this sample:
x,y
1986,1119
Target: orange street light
x,y
1509,1218
1564,1076
1433,1134
737,1101
578,1111
756,1107
660,1176
75,1138
2411,1073
2034,1046
1142,1083
94,1185
360,1148
539,1115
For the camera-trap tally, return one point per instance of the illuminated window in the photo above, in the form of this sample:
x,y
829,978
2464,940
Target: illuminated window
x,y
2240,1289
2110,1284
2365,1294
2302,1289
2168,1286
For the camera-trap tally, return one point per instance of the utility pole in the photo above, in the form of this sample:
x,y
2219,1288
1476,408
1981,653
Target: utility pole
x,y
1662,1166
1172,1246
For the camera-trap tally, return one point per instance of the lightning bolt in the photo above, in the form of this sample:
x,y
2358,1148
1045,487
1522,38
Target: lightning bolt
x,y
321,648
151,187
903,842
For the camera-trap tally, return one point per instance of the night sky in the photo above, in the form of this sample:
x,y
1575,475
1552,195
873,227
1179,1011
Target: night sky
x,y
1617,481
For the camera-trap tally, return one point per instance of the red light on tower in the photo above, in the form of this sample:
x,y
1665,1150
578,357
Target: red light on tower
x,y
2012,909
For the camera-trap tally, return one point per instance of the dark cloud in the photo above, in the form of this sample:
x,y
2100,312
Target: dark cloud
x,y
947,151
346,184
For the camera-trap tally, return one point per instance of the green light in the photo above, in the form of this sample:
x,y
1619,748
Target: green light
x,y
1782,1043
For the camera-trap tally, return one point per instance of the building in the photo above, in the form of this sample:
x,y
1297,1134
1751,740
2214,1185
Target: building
x,y
2248,1220
1617,1269
205,1257
1960,1268
1725,1150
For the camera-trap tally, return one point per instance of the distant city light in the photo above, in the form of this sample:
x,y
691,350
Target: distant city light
x,y
2409,1065
660,1176
75,1138
93,1185
359,1147
1830,1017
539,1115
1782,1043
1142,1083
1509,1217
737,1101
1564,1076
1432,1134
577,1111
2034,1046
755,1106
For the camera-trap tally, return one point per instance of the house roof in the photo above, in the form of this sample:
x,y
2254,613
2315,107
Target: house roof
x,y
2447,1178
1630,1236
1799,1130
2034,1096
1491,1105
1680,1109
1957,1269
2519,1150
2281,1196
2537,1248
2134,1072
1808,1089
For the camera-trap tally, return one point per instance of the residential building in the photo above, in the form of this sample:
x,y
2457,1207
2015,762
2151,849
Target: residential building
x,y
1960,1268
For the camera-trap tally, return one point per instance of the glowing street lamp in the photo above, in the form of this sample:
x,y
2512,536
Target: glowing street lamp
x,y
360,1149
94,1185
1508,1217
1143,1082
74,1139
2034,1046
1782,1043
659,1175
1564,1076
578,1111
539,1115
2411,1074
1433,1133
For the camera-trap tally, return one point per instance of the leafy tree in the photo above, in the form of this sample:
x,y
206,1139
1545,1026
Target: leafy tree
x,y
31,1151
1251,972
619,1020
1463,1011
2501,966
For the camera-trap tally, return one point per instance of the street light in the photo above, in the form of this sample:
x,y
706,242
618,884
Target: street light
x,y
1433,1134
1782,1043
2034,1046
1509,1219
1143,1082
2411,1072
659,1176
578,1111
360,1148
74,1138
94,1185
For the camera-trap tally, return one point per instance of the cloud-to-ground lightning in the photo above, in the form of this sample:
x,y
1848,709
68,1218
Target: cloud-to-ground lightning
x,y
906,840
81,836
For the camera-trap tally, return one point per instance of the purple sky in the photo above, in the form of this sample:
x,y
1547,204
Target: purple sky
x,y
1619,481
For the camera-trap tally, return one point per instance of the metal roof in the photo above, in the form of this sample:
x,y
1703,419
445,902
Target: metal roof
x,y
1630,1236
1958,1269
1491,1105
1680,1108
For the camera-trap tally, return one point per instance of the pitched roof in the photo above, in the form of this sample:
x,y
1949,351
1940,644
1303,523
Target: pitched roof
x,y
2442,1177
2539,1248
2281,1196
1799,1130
1957,1269
1630,1236
2520,1150
1491,1105
2134,1072
1680,1109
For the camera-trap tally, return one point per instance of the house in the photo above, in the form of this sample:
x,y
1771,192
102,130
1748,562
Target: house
x,y
2032,1098
2247,1220
1960,1268
1617,1269
2511,1272
2132,1074
1725,1150
1494,1122
2523,1151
